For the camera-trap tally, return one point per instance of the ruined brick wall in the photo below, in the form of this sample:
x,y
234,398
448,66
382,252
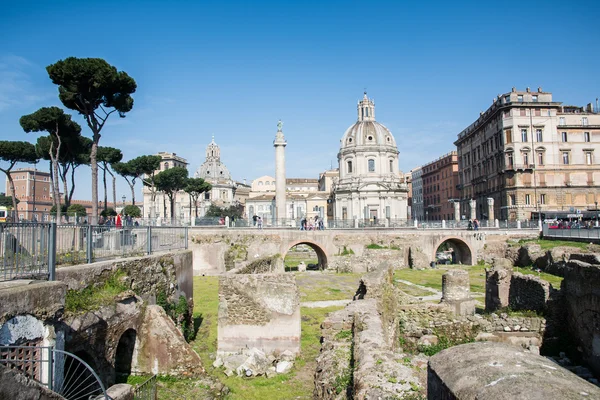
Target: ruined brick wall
x,y
581,289
259,310
528,292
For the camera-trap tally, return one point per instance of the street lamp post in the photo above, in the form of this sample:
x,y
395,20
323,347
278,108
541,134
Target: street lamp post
x,y
123,198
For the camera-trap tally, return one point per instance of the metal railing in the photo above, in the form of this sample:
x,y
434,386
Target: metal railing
x,y
32,250
28,250
147,390
60,371
78,244
571,233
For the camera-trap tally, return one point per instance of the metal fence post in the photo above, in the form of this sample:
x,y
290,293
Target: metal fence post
x,y
186,237
52,252
88,244
149,239
50,369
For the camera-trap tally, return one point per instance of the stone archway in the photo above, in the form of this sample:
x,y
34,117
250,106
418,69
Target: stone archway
x,y
462,252
124,355
321,256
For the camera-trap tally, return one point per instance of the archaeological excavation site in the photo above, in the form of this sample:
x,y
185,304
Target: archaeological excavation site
x,y
279,314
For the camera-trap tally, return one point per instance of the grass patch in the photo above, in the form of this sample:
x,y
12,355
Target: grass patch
x,y
433,277
94,297
375,246
412,290
546,244
327,286
346,252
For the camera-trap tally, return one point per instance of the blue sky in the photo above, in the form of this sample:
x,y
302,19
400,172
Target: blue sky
x,y
233,69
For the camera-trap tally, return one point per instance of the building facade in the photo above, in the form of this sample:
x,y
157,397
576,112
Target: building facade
x,y
528,153
34,192
417,194
369,185
440,181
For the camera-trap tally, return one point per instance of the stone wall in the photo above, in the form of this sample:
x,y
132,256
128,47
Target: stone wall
x,y
169,273
499,371
17,386
528,292
259,310
581,290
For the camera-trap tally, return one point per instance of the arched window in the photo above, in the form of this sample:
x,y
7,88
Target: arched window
x,y
260,183
166,165
391,165
349,167
371,165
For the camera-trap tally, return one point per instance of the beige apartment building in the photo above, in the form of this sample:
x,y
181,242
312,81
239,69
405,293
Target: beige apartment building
x,y
528,153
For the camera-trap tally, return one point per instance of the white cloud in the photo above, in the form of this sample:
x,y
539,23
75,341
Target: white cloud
x,y
16,85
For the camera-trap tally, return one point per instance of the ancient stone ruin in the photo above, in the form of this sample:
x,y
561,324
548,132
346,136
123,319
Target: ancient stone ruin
x,y
456,292
259,323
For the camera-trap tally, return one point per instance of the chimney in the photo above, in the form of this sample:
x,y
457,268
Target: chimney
x,y
539,89
528,90
514,89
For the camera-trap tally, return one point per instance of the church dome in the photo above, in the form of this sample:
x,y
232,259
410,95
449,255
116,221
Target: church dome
x,y
366,131
213,170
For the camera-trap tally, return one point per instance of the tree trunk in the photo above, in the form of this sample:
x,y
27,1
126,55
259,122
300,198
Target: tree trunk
x,y
132,195
104,181
114,185
171,200
63,178
94,167
72,184
12,187
55,176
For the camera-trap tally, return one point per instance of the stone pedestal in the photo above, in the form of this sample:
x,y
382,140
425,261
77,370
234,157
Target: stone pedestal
x,y
497,285
456,292
280,195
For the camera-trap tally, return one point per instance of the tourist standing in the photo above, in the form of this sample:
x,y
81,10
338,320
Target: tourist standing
x,y
259,222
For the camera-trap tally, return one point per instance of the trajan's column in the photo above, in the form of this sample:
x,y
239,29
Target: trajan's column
x,y
279,144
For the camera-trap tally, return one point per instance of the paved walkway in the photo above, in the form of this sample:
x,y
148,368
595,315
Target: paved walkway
x,y
436,294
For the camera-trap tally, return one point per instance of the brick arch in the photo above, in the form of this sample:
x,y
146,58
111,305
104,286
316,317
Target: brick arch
x,y
321,255
464,252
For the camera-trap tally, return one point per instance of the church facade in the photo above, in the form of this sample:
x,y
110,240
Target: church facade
x,y
369,185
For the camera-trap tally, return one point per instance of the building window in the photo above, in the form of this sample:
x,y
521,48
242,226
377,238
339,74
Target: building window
x,y
586,136
523,112
524,135
534,98
267,183
537,112
166,165
539,135
584,121
260,183
513,200
542,199
540,158
527,199
371,165
391,165
526,159
565,157
564,136
561,121
349,163
508,135
520,98
510,160
507,99
589,158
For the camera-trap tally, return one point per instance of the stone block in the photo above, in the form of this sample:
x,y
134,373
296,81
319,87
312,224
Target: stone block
x,y
261,311
500,371
162,349
120,391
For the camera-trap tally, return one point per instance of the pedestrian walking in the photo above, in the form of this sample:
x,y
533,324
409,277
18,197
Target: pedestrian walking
x,y
259,222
